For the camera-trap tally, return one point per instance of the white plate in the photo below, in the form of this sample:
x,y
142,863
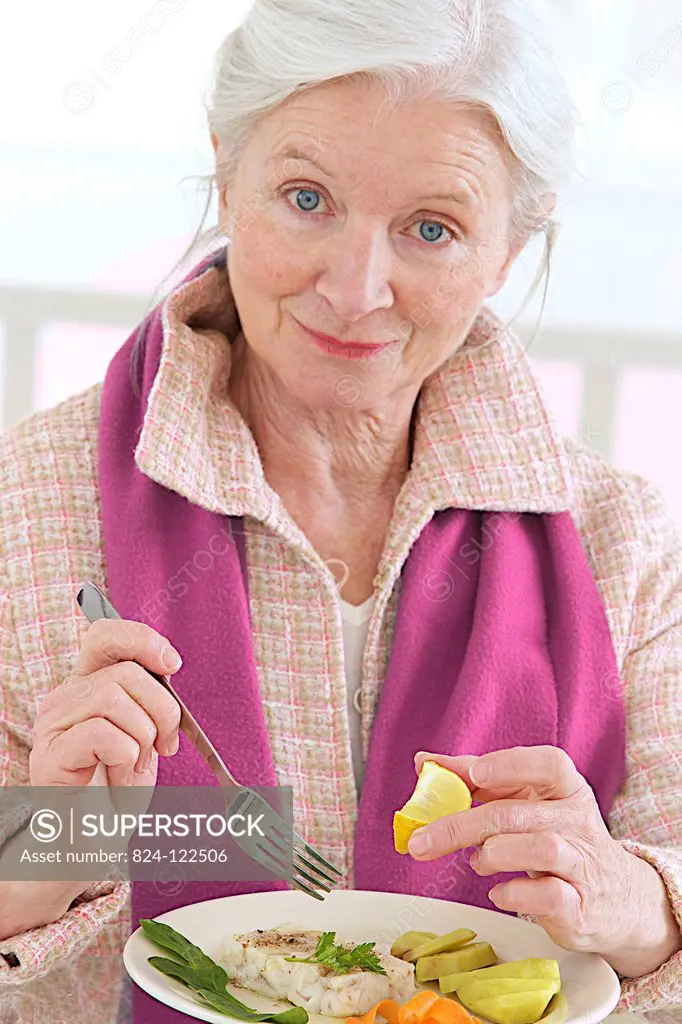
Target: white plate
x,y
590,986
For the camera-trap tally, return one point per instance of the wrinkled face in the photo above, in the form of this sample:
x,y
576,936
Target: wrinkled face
x,y
371,224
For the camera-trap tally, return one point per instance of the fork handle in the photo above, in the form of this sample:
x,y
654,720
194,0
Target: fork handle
x,y
95,605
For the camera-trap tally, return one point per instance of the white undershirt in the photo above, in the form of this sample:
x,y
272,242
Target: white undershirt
x,y
355,625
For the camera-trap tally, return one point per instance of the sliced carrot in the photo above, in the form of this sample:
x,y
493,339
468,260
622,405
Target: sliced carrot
x,y
387,1008
417,1007
447,1011
424,1008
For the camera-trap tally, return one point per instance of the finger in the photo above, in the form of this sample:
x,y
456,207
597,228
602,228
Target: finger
x,y
458,764
106,700
548,772
108,641
160,705
145,778
546,897
472,828
128,696
75,754
486,796
461,764
547,852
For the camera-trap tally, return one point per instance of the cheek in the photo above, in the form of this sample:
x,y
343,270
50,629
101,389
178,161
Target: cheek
x,y
262,262
452,300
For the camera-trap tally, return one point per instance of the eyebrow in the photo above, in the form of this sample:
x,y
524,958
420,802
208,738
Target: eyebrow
x,y
463,197
295,153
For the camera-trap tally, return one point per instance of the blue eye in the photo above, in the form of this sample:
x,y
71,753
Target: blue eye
x,y
431,230
307,199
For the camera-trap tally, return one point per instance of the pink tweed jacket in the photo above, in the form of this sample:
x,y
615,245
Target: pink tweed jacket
x,y
484,439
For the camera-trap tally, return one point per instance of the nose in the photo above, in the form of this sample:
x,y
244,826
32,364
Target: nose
x,y
356,277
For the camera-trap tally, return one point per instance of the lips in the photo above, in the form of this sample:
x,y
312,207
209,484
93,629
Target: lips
x,y
348,344
356,349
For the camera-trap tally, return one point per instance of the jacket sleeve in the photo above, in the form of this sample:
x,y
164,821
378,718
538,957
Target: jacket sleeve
x,y
99,918
647,815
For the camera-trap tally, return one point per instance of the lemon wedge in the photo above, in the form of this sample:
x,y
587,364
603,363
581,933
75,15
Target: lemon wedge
x,y
438,792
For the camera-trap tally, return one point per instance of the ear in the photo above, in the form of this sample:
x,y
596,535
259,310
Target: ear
x,y
548,205
546,208
516,245
222,188
215,142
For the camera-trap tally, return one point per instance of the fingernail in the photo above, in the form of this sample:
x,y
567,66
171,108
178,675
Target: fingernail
x,y
420,842
420,753
475,859
497,896
172,747
171,659
479,773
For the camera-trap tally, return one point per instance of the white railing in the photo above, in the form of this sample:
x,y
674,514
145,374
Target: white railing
x,y
602,354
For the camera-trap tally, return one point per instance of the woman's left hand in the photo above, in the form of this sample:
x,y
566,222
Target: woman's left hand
x,y
540,816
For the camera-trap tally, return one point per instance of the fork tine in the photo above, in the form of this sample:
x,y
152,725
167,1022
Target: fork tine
x,y
318,856
285,851
314,867
311,878
292,879
297,852
292,837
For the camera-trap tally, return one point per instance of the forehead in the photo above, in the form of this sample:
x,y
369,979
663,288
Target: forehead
x,y
350,128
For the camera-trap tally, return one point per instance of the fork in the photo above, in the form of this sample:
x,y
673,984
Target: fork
x,y
279,848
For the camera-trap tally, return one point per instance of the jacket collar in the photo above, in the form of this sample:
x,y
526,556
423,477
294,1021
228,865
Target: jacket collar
x,y
484,438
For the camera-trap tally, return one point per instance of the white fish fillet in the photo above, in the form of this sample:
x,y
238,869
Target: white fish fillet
x,y
256,961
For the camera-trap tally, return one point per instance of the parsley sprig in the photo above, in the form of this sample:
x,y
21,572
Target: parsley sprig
x,y
341,959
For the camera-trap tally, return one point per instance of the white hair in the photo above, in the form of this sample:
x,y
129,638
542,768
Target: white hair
x,y
493,53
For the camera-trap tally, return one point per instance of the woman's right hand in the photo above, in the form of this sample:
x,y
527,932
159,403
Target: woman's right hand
x,y
109,711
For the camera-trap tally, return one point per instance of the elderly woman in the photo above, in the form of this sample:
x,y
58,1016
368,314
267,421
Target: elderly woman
x,y
322,472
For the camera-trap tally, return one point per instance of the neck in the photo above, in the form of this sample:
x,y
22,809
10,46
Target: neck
x,y
352,456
